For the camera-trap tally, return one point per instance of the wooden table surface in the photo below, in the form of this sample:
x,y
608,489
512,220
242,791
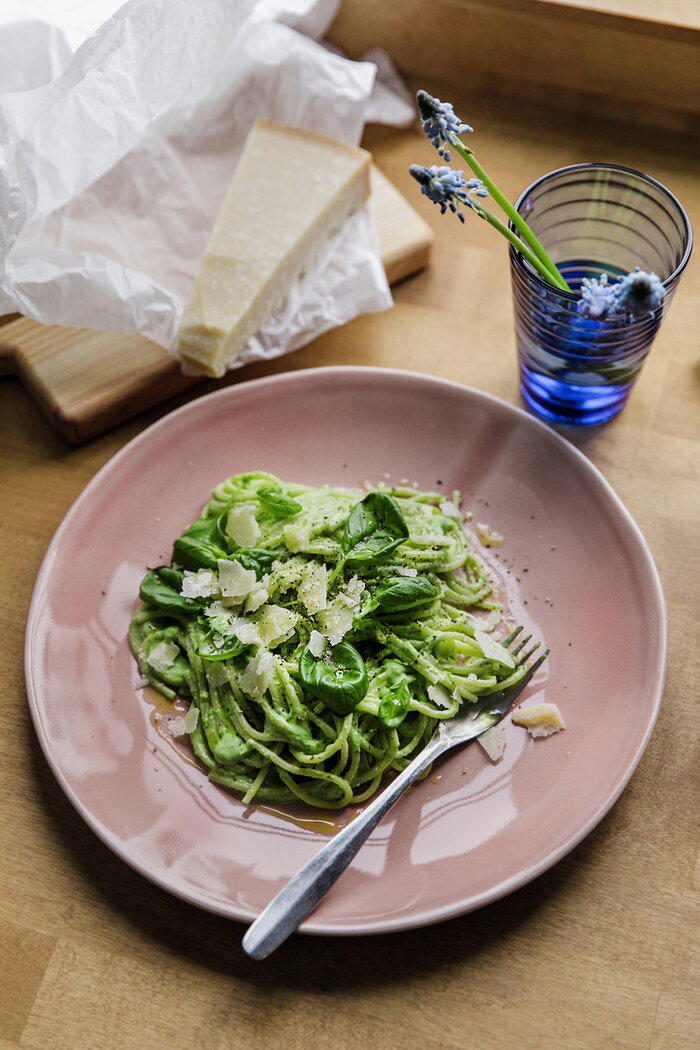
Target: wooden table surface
x,y
599,952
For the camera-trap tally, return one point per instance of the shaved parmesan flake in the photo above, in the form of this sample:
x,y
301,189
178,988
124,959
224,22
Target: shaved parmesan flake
x,y
449,510
296,537
353,592
234,580
405,570
257,676
242,526
317,643
493,742
200,584
486,623
338,618
162,656
487,536
275,624
493,650
216,673
336,621
258,596
246,631
540,719
313,588
183,725
439,695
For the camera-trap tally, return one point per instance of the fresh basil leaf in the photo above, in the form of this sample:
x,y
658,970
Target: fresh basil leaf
x,y
204,529
374,527
338,677
199,547
258,560
403,592
161,587
393,706
276,503
194,554
396,694
220,536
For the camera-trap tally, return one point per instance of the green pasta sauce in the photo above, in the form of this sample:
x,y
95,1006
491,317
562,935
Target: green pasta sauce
x,y
320,635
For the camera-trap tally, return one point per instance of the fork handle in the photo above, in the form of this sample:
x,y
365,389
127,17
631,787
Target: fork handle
x,y
301,894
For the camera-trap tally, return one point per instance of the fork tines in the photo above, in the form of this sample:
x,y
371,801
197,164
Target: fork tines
x,y
521,644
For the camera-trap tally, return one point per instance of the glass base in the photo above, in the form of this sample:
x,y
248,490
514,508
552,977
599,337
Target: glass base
x,y
558,401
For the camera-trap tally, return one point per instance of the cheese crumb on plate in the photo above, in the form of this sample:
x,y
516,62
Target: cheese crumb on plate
x,y
539,720
493,742
183,725
488,537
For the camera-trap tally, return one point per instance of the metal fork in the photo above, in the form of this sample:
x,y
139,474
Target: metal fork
x,y
299,897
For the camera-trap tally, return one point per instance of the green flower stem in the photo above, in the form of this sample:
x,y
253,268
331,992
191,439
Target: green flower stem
x,y
544,264
533,259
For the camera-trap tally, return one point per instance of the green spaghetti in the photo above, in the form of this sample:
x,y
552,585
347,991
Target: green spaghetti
x,y
320,635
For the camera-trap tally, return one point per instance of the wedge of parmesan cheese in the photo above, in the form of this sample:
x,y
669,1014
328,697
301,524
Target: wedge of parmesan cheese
x,y
291,194
539,720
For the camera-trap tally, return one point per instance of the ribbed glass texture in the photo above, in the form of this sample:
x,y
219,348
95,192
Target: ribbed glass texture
x,y
592,219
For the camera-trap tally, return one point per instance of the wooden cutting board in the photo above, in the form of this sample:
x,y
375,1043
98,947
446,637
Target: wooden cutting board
x,y
87,381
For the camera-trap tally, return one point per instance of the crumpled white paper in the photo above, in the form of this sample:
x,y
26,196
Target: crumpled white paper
x,y
118,140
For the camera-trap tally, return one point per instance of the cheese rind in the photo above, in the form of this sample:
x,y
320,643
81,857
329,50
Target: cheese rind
x,y
291,194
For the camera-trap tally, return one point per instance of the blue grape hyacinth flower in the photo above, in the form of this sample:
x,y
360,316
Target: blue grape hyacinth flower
x,y
597,298
439,122
443,127
639,293
635,294
448,188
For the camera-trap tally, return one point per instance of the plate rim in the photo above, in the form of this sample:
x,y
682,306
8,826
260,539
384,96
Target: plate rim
x,y
302,375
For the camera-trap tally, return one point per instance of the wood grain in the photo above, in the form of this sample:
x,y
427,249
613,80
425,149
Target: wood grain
x,y
599,953
595,60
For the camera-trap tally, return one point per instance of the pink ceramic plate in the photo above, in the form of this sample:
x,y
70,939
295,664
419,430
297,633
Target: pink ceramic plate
x,y
574,568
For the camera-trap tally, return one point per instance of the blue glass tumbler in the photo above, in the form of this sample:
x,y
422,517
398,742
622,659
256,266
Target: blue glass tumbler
x,y
592,219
